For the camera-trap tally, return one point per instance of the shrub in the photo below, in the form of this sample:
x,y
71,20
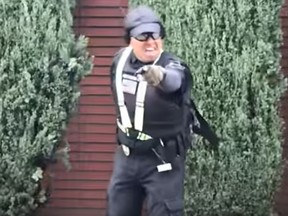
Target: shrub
x,y
232,48
41,65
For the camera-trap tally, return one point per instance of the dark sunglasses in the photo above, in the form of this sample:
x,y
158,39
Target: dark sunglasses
x,y
146,36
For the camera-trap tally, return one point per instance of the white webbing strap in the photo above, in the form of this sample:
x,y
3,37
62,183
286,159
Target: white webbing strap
x,y
139,110
120,96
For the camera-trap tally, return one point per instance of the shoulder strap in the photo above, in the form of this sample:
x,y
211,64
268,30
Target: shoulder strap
x,y
199,125
125,119
202,127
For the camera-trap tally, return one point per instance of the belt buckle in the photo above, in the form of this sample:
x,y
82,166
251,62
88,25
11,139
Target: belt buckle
x,y
126,150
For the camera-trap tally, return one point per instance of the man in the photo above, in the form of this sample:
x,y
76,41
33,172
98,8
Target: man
x,y
149,86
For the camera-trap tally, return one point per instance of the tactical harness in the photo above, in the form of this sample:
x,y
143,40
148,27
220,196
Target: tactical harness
x,y
134,138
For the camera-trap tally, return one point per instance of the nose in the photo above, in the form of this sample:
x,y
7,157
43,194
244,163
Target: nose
x,y
150,40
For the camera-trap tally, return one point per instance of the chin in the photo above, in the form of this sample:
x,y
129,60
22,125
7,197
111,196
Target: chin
x,y
150,58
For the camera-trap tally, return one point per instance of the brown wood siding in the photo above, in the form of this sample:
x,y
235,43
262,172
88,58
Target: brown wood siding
x,y
281,201
82,191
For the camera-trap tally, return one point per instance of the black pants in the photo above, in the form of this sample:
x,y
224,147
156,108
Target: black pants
x,y
135,178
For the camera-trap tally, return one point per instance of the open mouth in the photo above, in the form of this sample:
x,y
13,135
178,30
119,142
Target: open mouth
x,y
150,51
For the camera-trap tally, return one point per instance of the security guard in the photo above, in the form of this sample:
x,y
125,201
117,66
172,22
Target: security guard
x,y
149,85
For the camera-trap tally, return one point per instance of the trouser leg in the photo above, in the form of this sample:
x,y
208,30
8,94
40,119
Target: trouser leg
x,y
125,195
165,190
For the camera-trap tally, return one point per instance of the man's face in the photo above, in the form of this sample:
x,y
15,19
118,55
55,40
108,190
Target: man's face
x,y
147,46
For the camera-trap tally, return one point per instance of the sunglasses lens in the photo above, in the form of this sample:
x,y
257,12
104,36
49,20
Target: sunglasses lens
x,y
141,37
156,36
146,36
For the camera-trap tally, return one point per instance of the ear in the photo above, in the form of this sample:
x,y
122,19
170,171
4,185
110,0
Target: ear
x,y
162,31
127,36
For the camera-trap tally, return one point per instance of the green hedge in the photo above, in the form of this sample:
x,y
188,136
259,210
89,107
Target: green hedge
x,y
232,47
41,65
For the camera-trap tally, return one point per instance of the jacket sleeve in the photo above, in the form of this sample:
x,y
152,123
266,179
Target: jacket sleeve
x,y
174,76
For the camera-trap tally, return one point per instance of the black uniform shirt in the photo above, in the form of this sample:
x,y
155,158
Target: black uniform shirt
x,y
163,113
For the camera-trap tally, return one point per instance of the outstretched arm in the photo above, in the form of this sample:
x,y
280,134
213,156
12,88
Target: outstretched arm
x,y
169,78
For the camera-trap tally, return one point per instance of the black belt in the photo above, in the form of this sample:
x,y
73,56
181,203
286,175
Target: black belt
x,y
136,145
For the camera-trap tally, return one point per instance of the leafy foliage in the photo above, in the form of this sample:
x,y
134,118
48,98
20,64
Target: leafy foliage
x,y
41,65
232,48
